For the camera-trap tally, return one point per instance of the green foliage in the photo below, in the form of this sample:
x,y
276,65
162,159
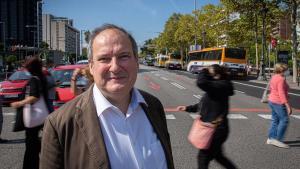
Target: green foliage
x,y
87,36
11,59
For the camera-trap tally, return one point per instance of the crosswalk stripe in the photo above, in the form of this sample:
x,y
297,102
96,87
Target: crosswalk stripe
x,y
164,78
9,114
265,116
296,116
197,96
170,117
194,115
236,116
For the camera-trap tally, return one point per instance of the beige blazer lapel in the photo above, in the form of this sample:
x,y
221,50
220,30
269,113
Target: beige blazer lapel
x,y
88,121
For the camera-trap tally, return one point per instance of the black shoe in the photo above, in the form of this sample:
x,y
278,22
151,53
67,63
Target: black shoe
x,y
3,140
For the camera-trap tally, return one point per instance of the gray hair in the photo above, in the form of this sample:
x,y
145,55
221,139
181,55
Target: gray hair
x,y
104,27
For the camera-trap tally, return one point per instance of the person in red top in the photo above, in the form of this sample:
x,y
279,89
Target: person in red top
x,y
281,109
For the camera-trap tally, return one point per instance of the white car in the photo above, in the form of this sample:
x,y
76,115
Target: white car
x,y
83,62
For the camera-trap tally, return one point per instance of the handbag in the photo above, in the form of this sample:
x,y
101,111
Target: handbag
x,y
35,114
201,134
265,96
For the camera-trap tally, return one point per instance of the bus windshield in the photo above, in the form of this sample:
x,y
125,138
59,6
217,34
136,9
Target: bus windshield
x,y
175,56
235,53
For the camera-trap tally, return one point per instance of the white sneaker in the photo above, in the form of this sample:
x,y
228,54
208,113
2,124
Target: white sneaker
x,y
269,141
278,143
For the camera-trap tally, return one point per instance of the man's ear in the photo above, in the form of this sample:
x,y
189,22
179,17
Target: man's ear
x,y
91,64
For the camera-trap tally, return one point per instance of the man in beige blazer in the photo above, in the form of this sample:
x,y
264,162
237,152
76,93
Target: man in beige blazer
x,y
112,125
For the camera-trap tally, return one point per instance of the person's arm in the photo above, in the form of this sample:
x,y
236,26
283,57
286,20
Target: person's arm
x,y
51,156
74,88
282,95
34,94
27,100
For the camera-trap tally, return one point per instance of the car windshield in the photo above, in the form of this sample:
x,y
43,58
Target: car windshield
x,y
63,77
19,75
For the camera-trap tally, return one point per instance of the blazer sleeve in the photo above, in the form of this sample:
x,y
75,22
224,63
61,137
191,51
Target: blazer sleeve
x,y
51,156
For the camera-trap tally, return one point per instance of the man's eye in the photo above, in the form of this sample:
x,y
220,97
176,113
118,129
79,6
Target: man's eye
x,y
103,59
124,57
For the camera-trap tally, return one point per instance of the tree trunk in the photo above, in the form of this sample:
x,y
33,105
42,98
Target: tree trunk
x,y
256,42
294,39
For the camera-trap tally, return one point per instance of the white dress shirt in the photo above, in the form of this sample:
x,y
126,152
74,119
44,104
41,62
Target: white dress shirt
x,y
130,139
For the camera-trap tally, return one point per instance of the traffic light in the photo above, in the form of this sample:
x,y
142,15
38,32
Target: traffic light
x,y
273,42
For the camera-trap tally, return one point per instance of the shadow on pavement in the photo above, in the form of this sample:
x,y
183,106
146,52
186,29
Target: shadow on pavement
x,y
16,141
295,143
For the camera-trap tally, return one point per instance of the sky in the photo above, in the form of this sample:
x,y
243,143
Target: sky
x,y
144,19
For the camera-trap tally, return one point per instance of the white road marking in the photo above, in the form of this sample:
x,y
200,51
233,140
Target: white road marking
x,y
239,91
164,78
177,85
170,117
194,115
296,116
197,96
9,114
157,74
262,88
236,116
265,116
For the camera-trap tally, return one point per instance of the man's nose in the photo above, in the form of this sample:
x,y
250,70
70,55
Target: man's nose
x,y
114,64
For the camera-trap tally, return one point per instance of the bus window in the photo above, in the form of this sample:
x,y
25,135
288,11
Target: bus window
x,y
235,53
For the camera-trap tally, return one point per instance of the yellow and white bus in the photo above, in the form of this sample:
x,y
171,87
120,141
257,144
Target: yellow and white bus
x,y
160,60
232,58
174,61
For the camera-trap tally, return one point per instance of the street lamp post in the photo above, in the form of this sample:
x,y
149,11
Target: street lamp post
x,y
195,25
264,11
4,44
81,40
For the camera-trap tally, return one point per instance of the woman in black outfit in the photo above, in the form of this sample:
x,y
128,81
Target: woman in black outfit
x,y
35,87
213,105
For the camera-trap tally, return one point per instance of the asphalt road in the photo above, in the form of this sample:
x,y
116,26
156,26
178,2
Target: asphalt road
x,y
249,123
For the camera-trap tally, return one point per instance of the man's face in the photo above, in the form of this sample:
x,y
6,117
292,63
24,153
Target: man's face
x,y
114,66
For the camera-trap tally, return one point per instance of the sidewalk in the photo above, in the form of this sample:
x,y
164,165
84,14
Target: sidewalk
x,y
289,80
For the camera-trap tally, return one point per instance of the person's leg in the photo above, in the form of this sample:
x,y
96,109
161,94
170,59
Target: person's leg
x,y
274,122
283,122
33,146
203,159
224,161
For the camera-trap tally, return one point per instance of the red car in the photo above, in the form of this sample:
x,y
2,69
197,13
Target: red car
x,y
62,76
12,89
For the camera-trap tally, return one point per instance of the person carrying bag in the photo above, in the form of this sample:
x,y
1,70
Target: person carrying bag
x,y
210,131
34,111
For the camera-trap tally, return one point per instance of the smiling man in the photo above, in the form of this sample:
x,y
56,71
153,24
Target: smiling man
x,y
112,124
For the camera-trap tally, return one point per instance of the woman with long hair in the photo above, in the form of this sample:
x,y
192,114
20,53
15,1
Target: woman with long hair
x,y
214,106
35,88
279,104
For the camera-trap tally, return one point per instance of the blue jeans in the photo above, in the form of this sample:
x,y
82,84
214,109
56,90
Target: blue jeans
x,y
279,121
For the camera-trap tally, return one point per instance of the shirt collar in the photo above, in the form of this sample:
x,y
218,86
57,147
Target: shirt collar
x,y
103,104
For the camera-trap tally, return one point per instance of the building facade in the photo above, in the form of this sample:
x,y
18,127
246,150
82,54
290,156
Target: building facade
x,y
59,34
20,22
